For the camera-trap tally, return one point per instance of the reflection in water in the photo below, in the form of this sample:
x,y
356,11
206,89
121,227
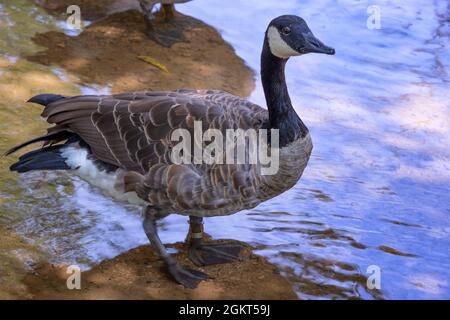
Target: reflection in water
x,y
376,189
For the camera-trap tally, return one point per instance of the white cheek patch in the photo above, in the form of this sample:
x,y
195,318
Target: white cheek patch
x,y
278,46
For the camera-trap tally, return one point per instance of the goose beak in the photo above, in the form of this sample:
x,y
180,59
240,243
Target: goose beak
x,y
312,44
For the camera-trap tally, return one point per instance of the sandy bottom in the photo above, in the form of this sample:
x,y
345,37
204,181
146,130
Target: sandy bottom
x,y
107,54
139,274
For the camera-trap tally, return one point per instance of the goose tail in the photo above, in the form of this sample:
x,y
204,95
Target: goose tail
x,y
50,138
48,158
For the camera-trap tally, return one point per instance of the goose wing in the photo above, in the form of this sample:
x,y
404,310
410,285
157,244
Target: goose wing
x,y
133,130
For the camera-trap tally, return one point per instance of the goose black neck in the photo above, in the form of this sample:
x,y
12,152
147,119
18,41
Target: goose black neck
x,y
282,115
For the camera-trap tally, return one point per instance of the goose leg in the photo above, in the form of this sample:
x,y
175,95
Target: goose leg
x,y
147,9
187,277
169,11
203,254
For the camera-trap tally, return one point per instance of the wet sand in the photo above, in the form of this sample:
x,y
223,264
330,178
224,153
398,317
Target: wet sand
x,y
139,274
107,54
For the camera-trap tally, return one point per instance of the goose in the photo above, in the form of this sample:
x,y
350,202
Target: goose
x,y
121,144
169,29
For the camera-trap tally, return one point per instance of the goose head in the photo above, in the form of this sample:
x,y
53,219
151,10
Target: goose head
x,y
289,36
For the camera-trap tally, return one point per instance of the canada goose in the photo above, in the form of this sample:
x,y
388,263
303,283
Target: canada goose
x,y
168,31
121,144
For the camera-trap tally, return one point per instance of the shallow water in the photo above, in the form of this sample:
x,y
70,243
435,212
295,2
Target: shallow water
x,y
375,191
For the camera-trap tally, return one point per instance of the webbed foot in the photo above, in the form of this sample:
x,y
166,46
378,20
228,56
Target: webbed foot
x,y
209,254
166,35
168,30
189,278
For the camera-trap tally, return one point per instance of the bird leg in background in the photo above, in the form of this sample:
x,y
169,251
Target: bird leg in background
x,y
187,277
167,28
203,254
164,28
169,11
147,9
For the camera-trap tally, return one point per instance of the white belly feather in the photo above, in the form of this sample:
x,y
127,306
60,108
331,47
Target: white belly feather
x,y
85,168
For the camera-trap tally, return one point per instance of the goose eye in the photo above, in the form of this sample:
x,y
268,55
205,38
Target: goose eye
x,y
286,30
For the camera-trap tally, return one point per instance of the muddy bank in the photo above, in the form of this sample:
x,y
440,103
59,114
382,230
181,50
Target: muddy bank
x,y
139,274
109,53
